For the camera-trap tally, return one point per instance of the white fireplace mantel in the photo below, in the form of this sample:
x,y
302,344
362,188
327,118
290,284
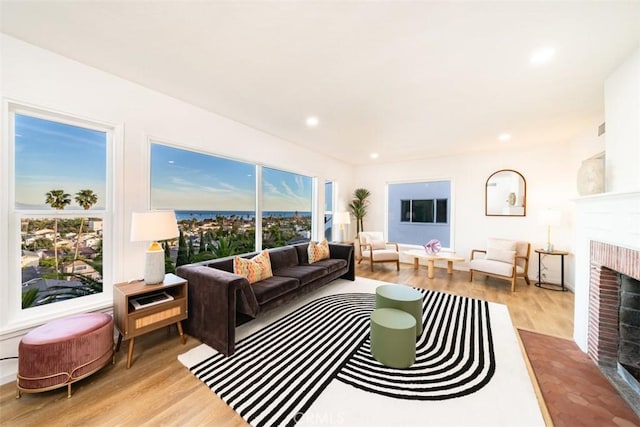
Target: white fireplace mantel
x,y
612,218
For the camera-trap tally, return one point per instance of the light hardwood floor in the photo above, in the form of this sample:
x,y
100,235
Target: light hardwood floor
x,y
159,390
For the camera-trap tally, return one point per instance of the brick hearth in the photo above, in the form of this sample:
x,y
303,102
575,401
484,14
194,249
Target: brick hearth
x,y
606,260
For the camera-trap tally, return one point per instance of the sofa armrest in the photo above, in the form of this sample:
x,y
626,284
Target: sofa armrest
x,y
344,251
213,295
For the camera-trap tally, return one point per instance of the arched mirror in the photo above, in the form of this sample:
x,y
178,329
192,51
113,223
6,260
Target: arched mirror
x,y
505,194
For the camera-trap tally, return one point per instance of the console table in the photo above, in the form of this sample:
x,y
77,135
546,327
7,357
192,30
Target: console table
x,y
547,285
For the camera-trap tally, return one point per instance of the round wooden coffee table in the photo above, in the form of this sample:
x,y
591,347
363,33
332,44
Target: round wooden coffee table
x,y
418,254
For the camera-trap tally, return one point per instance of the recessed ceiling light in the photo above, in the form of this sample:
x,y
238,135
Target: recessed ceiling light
x,y
542,55
504,137
312,121
374,155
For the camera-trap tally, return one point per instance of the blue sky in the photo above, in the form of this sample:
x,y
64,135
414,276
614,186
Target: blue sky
x,y
187,180
55,156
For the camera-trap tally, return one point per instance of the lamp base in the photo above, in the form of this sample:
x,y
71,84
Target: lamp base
x,y
154,267
549,247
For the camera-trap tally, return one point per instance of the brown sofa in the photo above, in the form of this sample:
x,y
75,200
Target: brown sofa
x,y
219,299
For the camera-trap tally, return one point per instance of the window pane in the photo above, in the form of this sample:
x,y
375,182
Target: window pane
x,y
59,168
286,208
405,210
214,200
61,258
51,156
422,210
441,211
328,210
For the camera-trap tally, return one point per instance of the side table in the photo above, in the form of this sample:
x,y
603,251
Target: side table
x,y
132,322
547,285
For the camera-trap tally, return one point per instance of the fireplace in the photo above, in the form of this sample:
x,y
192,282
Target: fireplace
x,y
614,315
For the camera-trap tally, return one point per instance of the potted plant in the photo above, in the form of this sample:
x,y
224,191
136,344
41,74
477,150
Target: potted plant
x,y
358,207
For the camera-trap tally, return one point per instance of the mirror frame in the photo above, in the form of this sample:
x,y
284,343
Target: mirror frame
x,y
524,194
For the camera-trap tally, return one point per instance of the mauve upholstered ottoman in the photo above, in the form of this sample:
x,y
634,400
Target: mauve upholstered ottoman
x,y
64,351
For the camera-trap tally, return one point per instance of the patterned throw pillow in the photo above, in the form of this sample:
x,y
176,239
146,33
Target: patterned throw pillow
x,y
254,269
318,251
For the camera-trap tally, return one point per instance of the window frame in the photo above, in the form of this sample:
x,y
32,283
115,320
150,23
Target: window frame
x,y
435,204
14,317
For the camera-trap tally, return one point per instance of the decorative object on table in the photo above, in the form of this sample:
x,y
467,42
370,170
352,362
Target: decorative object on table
x,y
341,219
591,175
151,227
549,217
433,246
358,206
505,194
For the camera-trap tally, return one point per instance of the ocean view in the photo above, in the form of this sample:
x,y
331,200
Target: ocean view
x,y
203,215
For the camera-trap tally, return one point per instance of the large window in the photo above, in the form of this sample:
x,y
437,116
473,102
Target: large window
x,y
287,200
419,212
214,199
60,206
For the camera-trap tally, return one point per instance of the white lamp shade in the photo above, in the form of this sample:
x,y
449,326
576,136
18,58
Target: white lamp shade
x,y
153,226
549,217
340,218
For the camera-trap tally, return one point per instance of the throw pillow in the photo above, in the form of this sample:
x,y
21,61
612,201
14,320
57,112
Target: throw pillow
x,y
502,255
254,269
504,244
318,251
378,244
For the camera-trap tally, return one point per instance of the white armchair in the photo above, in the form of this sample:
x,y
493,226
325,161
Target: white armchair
x,y
504,259
375,249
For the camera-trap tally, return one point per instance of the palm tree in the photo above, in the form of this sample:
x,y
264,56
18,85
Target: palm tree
x,y
86,199
57,199
359,205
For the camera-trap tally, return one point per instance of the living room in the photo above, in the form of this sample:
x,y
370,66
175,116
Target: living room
x,y
42,76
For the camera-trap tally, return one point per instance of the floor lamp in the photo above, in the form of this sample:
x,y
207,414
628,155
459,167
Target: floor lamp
x,y
151,227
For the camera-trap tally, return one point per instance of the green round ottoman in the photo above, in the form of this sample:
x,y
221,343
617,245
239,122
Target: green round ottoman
x,y
401,298
393,337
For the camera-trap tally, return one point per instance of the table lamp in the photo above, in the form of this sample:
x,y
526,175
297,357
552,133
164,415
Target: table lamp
x,y
341,219
151,227
549,217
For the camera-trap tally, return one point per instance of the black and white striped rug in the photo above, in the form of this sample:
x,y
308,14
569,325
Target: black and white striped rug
x,y
278,372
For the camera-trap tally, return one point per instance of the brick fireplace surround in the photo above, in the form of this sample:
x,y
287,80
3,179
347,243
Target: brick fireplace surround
x,y
606,260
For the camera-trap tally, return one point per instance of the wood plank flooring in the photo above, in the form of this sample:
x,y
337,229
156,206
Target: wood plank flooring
x,y
158,390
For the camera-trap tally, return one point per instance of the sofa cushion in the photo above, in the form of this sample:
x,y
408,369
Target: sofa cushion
x,y
303,273
493,267
377,245
285,256
332,264
318,251
501,255
273,287
505,244
254,269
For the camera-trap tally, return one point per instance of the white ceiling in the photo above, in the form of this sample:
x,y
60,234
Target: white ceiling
x,y
405,79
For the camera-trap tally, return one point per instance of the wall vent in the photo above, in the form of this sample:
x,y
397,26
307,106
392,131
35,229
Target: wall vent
x,y
601,129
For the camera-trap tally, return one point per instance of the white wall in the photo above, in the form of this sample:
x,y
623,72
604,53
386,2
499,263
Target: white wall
x,y
622,113
48,81
549,171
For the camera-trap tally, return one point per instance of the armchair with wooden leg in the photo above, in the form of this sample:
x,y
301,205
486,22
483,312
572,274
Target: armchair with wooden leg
x,y
375,249
504,259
